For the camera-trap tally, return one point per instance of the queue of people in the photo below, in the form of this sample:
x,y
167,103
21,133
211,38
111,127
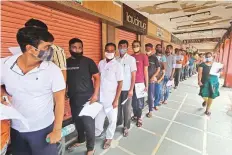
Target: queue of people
x,y
37,88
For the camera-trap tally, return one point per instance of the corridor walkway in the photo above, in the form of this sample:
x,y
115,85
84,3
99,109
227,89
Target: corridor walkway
x,y
178,128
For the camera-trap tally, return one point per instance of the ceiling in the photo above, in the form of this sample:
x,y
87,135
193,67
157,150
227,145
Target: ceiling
x,y
183,16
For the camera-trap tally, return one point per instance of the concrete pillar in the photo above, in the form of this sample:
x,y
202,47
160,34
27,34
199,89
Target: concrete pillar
x,y
142,40
111,37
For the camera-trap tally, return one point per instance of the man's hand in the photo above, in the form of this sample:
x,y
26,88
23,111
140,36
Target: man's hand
x,y
200,83
93,99
130,94
115,104
54,136
6,99
153,79
146,88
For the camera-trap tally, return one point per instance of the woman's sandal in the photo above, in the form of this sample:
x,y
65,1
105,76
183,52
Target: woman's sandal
x,y
204,104
139,123
75,146
208,113
134,118
149,115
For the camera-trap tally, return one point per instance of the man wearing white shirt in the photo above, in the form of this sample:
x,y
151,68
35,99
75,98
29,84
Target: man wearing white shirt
x,y
35,84
178,68
111,73
129,67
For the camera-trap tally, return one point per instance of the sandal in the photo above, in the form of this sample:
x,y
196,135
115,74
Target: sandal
x,y
139,123
149,115
156,109
204,104
133,118
125,132
208,113
75,146
107,144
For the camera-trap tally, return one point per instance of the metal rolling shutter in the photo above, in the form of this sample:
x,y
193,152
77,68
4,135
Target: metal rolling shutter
x,y
152,41
62,25
129,36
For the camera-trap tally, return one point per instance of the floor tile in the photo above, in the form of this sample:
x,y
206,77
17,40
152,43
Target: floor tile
x,y
172,104
186,135
171,148
116,151
191,120
155,125
139,144
218,146
220,128
165,113
193,110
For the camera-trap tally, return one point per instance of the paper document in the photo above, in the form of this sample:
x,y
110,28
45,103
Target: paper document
x,y
108,109
15,50
91,109
124,101
170,83
140,90
9,112
215,69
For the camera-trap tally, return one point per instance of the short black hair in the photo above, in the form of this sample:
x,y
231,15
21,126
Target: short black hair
x,y
209,53
110,44
136,41
75,40
158,45
36,23
169,46
123,42
32,36
149,45
177,50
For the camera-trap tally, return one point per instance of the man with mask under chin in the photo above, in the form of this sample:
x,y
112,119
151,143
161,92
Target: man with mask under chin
x,y
81,89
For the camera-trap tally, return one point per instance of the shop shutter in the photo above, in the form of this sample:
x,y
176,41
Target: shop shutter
x,y
62,25
129,36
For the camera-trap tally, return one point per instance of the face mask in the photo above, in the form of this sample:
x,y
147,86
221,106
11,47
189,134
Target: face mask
x,y
148,53
136,49
109,55
123,51
208,59
45,55
75,54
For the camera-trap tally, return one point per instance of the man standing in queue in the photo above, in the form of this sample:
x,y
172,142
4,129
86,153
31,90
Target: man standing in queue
x,y
129,66
81,89
111,72
141,77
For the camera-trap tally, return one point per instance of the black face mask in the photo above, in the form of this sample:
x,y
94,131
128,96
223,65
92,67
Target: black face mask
x,y
76,55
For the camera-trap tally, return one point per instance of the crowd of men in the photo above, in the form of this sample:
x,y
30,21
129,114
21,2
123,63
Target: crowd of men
x,y
37,88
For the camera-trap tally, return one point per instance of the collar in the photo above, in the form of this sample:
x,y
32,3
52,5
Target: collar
x,y
112,61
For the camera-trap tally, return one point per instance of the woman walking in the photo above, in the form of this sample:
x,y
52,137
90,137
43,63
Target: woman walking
x,y
209,84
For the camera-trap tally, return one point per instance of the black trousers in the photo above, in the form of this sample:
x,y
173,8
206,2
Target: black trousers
x,y
124,111
85,125
177,76
138,105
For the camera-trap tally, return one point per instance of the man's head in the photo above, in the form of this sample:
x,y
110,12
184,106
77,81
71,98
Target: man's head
x,y
110,50
177,51
36,23
123,47
184,52
35,43
136,45
149,48
169,49
76,47
158,48
209,57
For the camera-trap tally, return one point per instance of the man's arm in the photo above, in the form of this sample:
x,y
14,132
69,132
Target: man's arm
x,y
155,74
116,98
200,69
133,75
64,72
146,77
96,78
162,77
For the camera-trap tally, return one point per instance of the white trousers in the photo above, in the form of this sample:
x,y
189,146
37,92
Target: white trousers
x,y
100,119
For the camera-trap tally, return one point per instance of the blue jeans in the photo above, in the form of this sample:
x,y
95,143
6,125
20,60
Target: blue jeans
x,y
158,87
166,90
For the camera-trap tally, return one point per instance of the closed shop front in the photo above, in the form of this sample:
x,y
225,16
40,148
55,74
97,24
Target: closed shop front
x,y
153,41
62,25
129,36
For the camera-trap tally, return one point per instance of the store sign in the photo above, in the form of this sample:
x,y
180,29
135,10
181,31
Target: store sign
x,y
134,21
175,40
201,40
160,32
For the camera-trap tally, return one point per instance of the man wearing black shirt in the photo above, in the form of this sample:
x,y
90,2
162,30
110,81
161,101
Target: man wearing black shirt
x,y
153,71
80,71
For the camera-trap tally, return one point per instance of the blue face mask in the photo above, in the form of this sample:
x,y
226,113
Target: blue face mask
x,y
209,59
123,51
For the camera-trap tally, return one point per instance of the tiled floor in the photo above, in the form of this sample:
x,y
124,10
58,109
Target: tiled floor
x,y
178,128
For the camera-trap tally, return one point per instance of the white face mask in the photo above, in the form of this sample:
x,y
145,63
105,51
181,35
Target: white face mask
x,y
136,49
109,55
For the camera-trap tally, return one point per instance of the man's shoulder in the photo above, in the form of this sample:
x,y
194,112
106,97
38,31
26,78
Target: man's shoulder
x,y
8,61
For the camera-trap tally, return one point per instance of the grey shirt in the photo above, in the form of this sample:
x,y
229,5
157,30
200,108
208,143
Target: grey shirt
x,y
171,62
